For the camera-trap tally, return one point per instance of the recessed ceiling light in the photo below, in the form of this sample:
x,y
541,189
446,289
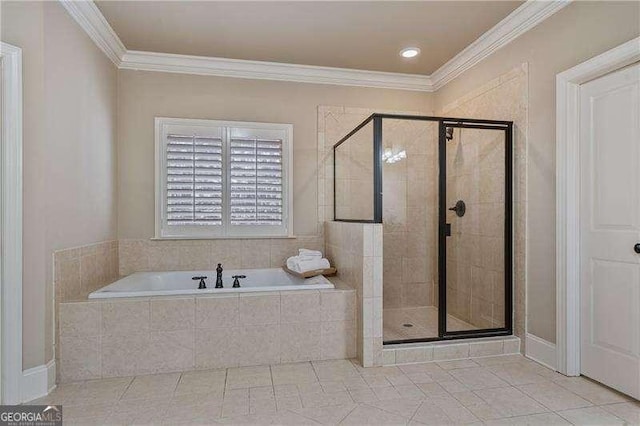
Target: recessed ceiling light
x,y
410,52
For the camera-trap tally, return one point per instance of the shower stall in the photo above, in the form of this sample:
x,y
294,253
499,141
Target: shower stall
x,y
442,188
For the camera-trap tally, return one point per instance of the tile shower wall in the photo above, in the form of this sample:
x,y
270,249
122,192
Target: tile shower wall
x,y
505,98
125,337
175,255
356,251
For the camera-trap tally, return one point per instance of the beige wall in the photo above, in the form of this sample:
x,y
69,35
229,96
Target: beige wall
x,y
145,95
69,153
578,32
70,117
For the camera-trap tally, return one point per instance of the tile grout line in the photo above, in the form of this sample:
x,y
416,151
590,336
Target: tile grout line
x,y
313,367
349,413
127,388
175,387
224,387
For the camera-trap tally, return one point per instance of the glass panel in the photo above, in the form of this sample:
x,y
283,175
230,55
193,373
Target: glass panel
x,y
410,224
475,250
354,176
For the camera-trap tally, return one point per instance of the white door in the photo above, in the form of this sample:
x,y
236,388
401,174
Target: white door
x,y
610,228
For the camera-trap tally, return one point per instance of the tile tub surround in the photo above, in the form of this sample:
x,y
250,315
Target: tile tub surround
x,y
80,270
355,249
142,255
341,392
124,337
77,272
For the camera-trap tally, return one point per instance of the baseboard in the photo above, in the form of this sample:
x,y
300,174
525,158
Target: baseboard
x,y
541,351
38,381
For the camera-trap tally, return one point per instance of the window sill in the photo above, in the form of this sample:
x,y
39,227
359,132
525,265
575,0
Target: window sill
x,y
286,237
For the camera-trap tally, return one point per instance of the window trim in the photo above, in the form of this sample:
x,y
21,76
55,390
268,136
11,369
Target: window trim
x,y
240,232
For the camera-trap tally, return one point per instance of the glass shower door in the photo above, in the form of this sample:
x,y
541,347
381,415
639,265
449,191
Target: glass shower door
x,y
475,229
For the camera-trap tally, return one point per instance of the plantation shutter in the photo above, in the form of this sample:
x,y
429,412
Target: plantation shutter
x,y
255,180
222,179
193,180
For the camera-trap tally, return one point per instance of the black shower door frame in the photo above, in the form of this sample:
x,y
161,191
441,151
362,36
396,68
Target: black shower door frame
x,y
443,123
444,229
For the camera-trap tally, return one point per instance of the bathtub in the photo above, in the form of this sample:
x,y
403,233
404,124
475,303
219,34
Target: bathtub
x,y
143,284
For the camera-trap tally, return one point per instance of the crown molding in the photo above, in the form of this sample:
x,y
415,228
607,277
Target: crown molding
x,y
201,65
525,17
89,17
521,20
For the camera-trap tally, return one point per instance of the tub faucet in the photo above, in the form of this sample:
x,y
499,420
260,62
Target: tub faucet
x,y
219,276
236,281
202,284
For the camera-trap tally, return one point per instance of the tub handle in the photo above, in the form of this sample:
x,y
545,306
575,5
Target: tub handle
x,y
202,284
236,281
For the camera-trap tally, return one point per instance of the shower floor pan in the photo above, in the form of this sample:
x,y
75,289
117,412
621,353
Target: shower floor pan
x,y
417,323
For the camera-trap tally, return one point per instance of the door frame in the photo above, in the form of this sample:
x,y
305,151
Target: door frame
x,y
568,196
11,224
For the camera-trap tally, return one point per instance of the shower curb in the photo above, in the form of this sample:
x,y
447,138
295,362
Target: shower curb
x,y
410,353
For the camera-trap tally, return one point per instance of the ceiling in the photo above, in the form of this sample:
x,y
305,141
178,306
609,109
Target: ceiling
x,y
359,34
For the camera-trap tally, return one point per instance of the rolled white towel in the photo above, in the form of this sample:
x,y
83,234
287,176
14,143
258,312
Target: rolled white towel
x,y
292,263
312,265
307,258
302,264
309,253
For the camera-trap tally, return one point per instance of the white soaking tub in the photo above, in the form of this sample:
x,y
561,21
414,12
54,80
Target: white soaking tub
x,y
143,284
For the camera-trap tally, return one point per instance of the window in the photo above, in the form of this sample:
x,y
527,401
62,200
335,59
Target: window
x,y
222,179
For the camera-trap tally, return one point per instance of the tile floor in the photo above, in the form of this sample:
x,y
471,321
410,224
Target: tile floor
x,y
424,321
504,390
